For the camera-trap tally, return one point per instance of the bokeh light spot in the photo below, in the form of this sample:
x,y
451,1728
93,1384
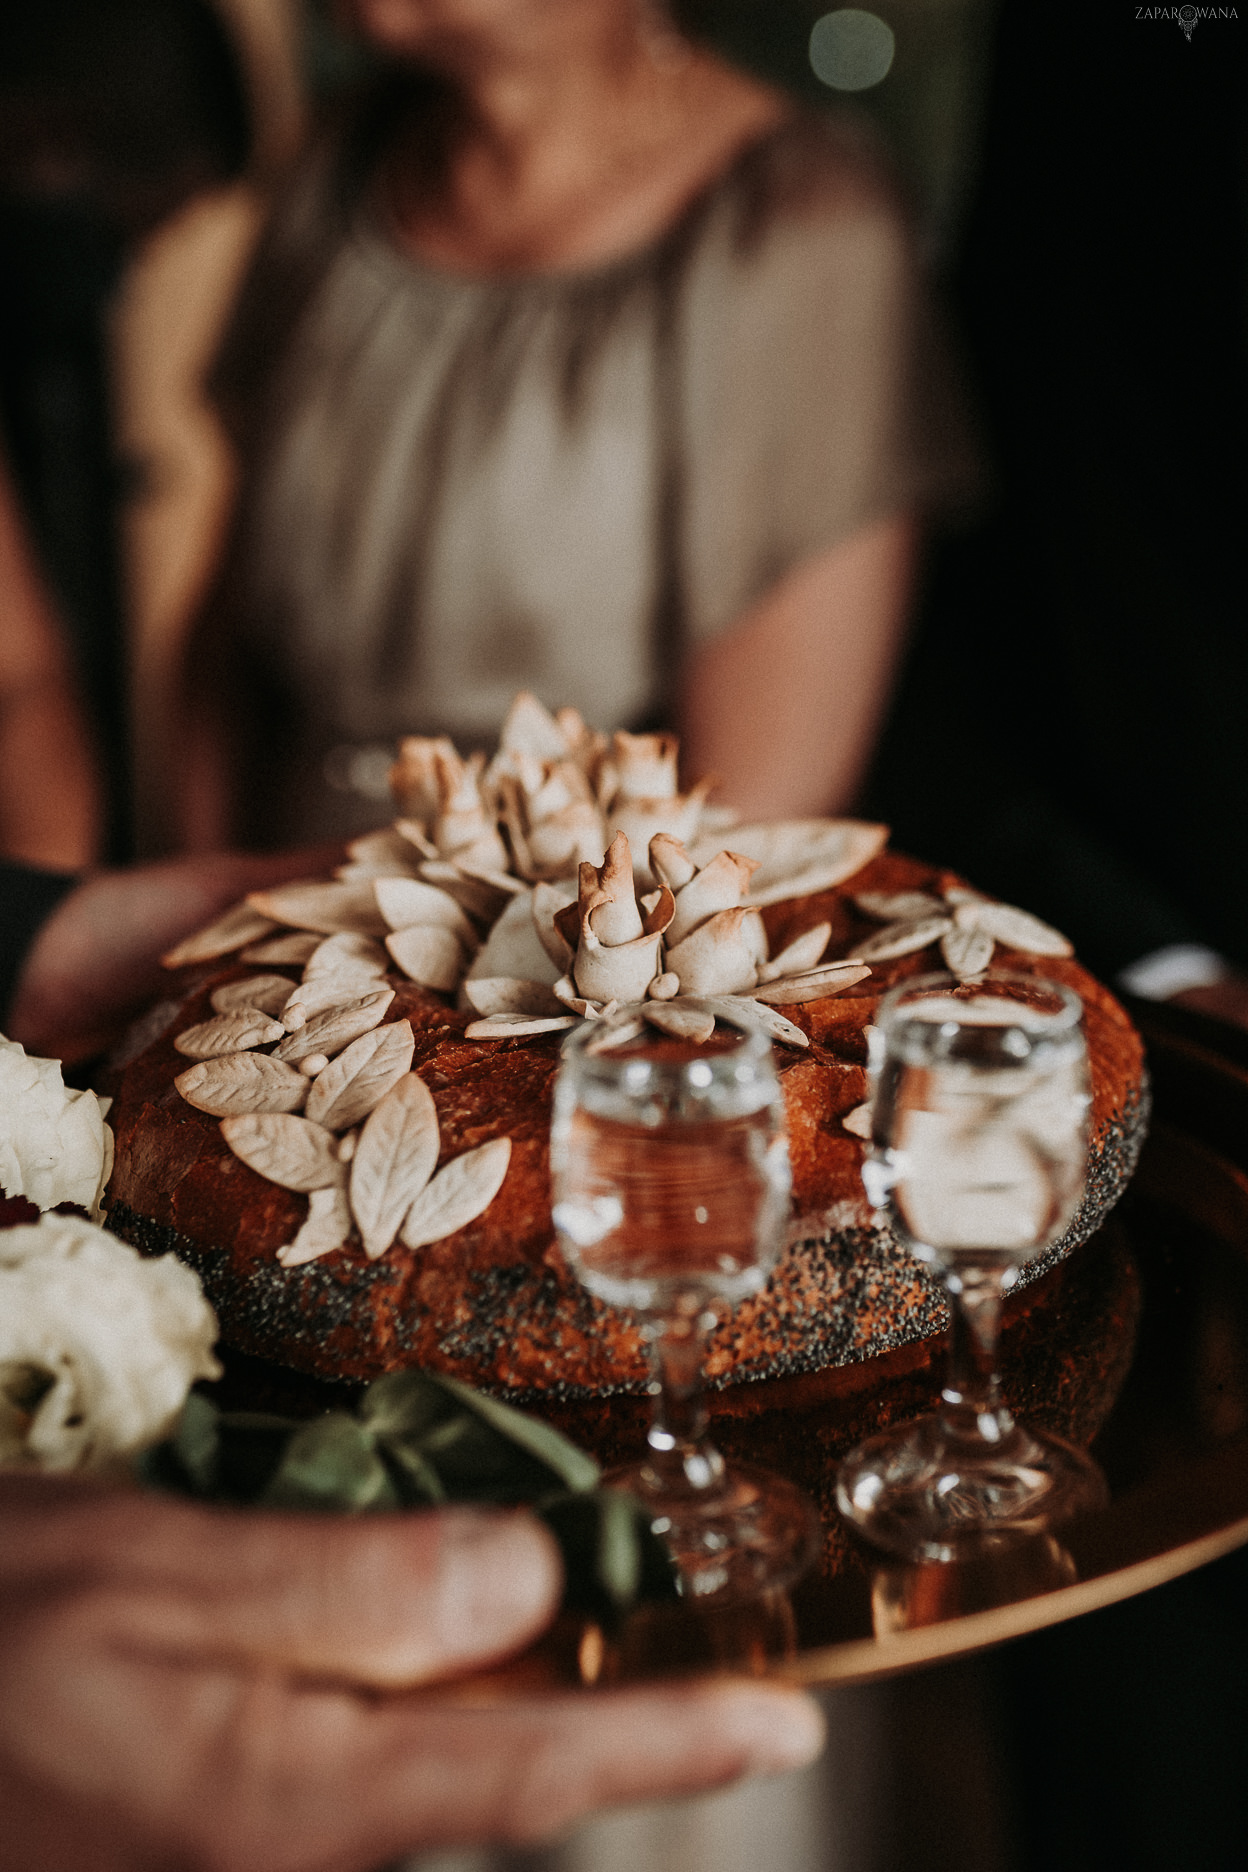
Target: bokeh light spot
x,y
851,49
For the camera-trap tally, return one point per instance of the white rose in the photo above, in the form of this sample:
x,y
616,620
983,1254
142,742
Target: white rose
x,y
98,1347
54,1144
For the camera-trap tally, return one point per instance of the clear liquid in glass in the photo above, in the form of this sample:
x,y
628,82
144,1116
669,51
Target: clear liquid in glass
x,y
670,1175
980,1108
979,1160
653,1213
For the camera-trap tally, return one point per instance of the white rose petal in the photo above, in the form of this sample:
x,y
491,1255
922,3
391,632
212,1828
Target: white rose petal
x,y
54,1144
98,1347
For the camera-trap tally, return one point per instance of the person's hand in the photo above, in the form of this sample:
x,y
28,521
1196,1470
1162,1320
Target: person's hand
x,y
199,1688
95,962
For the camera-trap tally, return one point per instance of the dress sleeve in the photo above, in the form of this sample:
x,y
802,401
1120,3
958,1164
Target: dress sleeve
x,y
815,396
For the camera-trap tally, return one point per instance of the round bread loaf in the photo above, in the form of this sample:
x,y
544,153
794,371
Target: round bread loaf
x,y
493,1303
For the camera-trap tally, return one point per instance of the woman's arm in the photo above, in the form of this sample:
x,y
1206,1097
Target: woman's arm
x,y
49,783
784,706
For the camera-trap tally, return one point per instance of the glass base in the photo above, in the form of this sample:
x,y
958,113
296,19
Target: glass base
x,y
747,1532
926,1493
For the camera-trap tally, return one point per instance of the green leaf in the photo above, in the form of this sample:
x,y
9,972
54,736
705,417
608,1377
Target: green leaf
x,y
250,1450
186,1463
522,1455
420,1439
262,1423
416,1481
572,1466
619,1548
331,1463
196,1441
611,1555
476,1463
406,1404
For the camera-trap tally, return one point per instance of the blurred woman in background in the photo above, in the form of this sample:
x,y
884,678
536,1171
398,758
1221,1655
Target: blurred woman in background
x,y
49,779
113,114
579,361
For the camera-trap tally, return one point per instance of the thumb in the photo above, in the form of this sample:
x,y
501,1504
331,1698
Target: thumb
x,y
385,1600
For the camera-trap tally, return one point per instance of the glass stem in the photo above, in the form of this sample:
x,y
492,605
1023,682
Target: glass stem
x,y
971,1398
681,1457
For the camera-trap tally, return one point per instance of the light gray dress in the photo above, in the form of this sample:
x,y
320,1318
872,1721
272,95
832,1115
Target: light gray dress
x,y
455,487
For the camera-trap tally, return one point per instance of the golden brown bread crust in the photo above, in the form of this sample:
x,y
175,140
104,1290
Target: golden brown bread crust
x,y
493,1304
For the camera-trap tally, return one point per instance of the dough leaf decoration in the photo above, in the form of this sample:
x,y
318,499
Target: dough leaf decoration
x,y
243,924
291,1151
461,1191
326,1229
238,1083
324,908
356,1082
268,993
236,1031
394,1159
335,1028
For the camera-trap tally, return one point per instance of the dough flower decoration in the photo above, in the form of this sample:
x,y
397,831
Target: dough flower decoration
x,y
445,811
642,798
54,1144
98,1345
544,781
514,887
967,926
678,957
531,732
614,937
441,878
552,817
414,778
564,793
